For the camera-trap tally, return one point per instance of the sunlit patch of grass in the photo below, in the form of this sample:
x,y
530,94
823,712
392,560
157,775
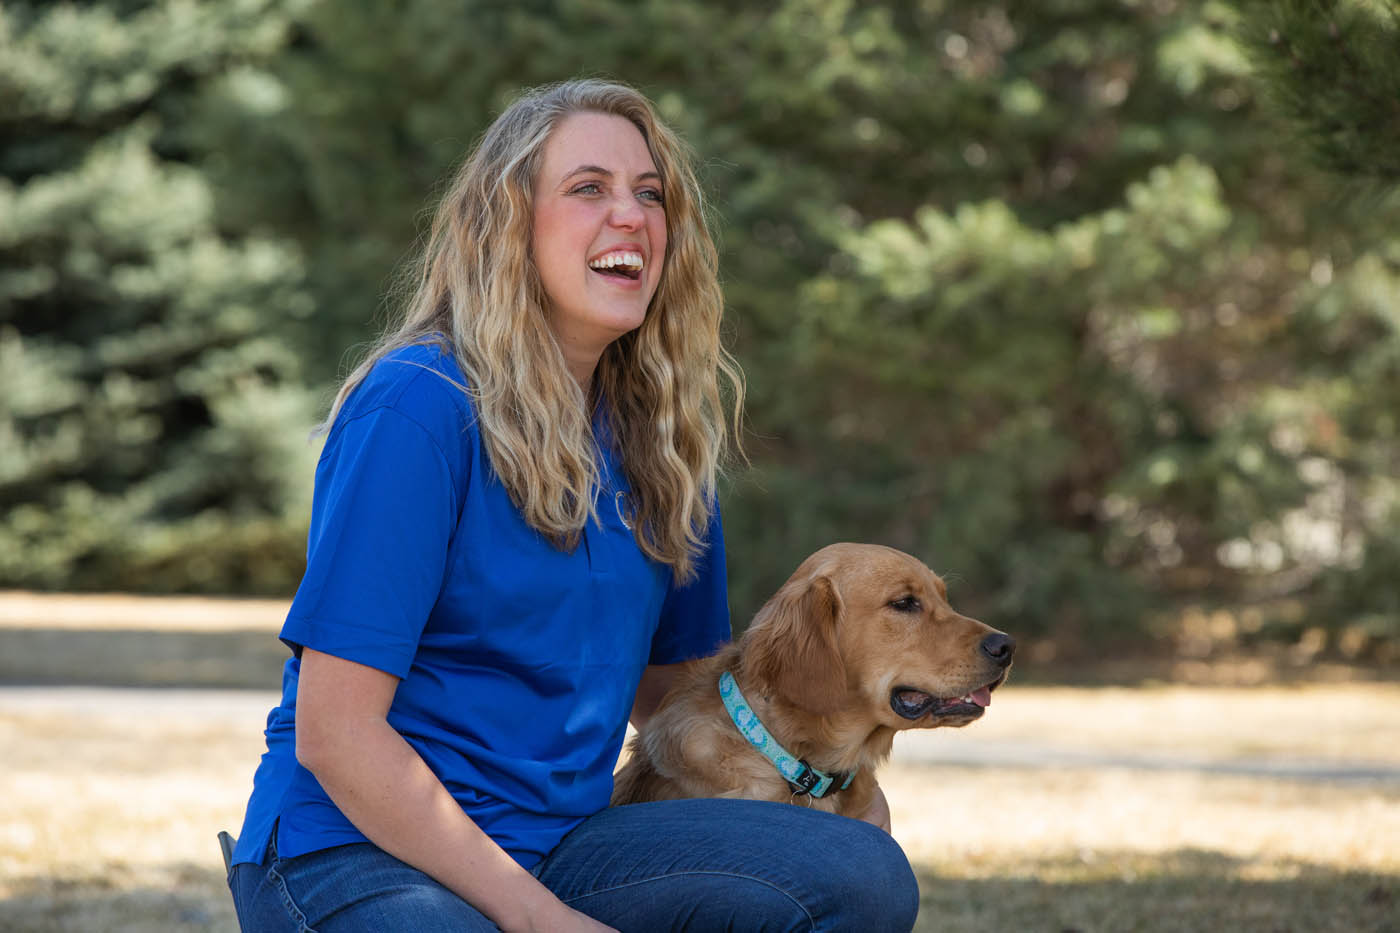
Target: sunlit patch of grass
x,y
108,813
1352,721
975,816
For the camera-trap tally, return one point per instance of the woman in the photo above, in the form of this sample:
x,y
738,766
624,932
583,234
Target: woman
x,y
513,542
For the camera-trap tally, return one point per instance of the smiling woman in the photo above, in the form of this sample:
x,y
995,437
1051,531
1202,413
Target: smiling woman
x,y
515,511
600,234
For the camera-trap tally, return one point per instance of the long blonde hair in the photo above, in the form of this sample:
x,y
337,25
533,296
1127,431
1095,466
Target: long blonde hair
x,y
477,286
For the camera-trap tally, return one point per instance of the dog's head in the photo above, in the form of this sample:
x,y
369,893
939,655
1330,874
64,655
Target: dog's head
x,y
861,627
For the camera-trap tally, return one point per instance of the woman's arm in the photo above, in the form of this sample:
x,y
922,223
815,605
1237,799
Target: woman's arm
x,y
657,679
382,786
879,812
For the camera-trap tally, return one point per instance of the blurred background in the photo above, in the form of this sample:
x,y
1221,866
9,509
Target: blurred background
x,y
1058,297
1093,305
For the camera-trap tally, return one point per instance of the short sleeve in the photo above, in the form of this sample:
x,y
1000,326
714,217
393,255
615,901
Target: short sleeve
x,y
383,514
695,617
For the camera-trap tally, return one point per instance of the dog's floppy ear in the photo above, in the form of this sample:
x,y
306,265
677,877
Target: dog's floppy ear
x,y
791,646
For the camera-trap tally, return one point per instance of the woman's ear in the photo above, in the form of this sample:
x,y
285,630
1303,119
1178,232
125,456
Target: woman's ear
x,y
792,648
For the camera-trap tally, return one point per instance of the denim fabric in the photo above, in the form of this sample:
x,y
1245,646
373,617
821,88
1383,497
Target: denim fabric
x,y
345,888
696,865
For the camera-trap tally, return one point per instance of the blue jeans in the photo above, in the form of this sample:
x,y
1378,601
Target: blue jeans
x,y
697,865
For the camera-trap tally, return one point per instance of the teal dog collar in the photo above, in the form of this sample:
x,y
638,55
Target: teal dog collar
x,y
802,777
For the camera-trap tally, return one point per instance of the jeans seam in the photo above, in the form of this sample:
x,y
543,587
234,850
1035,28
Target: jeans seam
x,y
680,874
287,902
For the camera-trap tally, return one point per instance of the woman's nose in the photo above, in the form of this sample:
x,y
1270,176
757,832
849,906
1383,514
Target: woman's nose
x,y
627,213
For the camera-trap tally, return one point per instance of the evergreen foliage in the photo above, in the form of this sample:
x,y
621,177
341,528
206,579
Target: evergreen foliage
x,y
150,414
1333,69
1031,290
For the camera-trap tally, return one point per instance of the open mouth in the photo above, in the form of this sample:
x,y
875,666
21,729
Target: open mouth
x,y
619,266
912,703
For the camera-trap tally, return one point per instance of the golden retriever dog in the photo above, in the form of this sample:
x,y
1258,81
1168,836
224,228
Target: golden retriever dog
x,y
859,644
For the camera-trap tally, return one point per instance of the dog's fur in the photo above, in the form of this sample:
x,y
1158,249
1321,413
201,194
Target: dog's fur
x,y
821,666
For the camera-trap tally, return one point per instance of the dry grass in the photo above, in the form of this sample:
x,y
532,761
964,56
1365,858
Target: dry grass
x,y
1087,809
109,803
1350,723
108,811
1119,850
20,609
1157,818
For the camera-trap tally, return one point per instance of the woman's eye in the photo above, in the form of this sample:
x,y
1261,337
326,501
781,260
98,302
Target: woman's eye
x,y
651,194
588,187
906,604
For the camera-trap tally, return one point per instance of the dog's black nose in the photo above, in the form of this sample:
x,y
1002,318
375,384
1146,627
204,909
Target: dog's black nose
x,y
999,648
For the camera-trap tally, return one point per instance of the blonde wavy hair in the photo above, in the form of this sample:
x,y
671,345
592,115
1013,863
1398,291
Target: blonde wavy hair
x,y
476,286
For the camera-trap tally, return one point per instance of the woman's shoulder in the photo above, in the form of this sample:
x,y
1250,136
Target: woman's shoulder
x,y
422,382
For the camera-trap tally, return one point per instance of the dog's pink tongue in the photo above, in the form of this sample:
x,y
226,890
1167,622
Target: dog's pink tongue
x,y
981,696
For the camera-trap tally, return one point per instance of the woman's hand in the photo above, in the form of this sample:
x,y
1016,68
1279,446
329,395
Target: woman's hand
x,y
879,812
556,917
585,924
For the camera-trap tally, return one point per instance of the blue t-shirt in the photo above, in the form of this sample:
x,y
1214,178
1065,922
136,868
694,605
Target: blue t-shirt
x,y
518,662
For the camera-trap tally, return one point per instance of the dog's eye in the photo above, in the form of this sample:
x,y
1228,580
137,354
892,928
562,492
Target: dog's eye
x,y
906,604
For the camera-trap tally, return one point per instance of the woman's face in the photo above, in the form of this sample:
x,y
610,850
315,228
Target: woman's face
x,y
599,234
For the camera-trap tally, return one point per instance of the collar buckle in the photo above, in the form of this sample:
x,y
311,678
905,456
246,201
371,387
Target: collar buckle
x,y
806,780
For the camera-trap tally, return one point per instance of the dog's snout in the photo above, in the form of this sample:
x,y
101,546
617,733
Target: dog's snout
x,y
999,647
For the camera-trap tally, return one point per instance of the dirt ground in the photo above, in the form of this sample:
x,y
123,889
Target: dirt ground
x,y
1160,808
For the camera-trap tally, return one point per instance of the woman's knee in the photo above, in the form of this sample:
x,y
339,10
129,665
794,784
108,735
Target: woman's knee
x,y
899,887
870,883
848,874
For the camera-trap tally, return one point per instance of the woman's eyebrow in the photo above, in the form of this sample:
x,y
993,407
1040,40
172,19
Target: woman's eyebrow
x,y
599,170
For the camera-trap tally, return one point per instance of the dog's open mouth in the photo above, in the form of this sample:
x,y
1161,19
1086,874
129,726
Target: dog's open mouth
x,y
912,703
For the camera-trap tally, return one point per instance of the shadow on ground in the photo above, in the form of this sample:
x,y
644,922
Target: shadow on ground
x,y
1186,891
197,901
137,657
1181,891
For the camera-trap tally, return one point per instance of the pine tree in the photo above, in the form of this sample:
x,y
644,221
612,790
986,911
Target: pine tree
x,y
1026,290
1332,69
1035,291
151,420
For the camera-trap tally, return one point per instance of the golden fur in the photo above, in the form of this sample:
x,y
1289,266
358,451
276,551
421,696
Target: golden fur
x,y
820,665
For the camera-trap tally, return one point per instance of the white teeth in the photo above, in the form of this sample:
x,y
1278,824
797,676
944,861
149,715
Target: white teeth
x,y
631,261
